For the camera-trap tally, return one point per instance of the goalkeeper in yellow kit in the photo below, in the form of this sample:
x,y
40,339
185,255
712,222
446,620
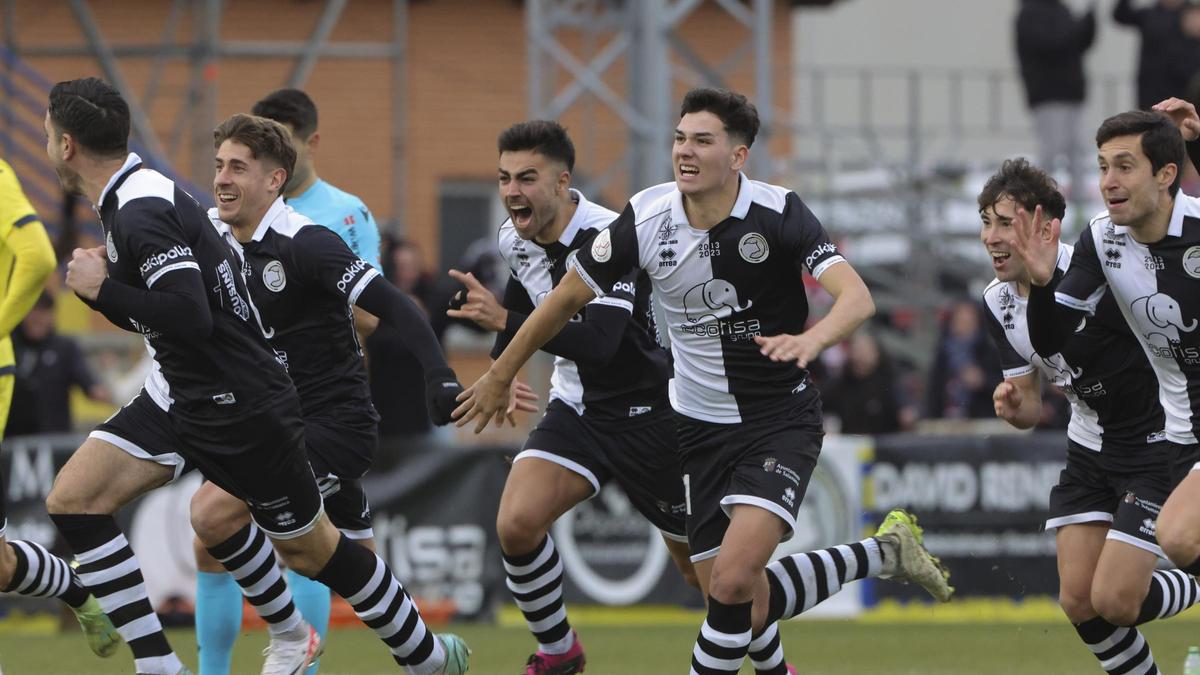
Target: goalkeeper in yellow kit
x,y
26,261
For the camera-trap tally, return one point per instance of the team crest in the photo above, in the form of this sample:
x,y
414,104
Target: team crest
x,y
110,247
273,276
1191,262
602,246
753,248
769,464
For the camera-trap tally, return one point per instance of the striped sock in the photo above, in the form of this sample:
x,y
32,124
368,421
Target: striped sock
x,y
1119,650
108,567
535,579
799,582
41,574
766,652
251,561
366,582
1171,592
724,639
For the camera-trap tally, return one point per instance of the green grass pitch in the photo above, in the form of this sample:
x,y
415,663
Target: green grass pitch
x,y
818,647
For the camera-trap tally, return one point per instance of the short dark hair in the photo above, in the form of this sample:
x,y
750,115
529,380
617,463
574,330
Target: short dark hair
x,y
1161,141
94,113
1028,186
544,137
735,111
266,138
291,107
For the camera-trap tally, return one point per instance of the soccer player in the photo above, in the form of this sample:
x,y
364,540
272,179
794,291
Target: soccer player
x,y
1120,466
218,396
303,280
315,198
724,255
27,260
609,417
345,214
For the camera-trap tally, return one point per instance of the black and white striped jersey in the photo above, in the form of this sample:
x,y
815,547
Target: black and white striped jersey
x,y
154,230
304,280
629,382
719,289
1101,369
1157,288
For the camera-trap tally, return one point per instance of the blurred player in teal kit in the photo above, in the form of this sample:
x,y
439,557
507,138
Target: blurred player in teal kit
x,y
218,597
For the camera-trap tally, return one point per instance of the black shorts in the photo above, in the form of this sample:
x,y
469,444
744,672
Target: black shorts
x,y
340,453
260,459
1125,491
766,464
642,458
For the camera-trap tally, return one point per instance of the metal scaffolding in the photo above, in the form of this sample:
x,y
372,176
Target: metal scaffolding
x,y
646,36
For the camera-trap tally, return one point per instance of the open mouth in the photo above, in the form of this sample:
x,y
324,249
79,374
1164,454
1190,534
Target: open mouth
x,y
521,214
689,170
1117,201
226,198
999,258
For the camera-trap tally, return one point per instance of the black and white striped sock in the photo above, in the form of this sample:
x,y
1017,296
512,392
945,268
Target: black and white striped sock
x,y
1119,650
535,579
766,652
724,639
41,574
366,582
251,561
109,569
1171,592
799,582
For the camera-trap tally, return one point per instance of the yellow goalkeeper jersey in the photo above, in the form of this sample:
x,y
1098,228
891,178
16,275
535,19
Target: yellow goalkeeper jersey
x,y
26,260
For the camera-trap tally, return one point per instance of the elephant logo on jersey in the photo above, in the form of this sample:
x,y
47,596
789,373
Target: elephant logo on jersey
x,y
1160,320
753,248
712,300
273,277
1056,367
110,247
1191,262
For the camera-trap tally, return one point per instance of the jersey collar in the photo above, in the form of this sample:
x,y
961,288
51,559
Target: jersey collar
x,y
577,219
132,162
277,211
741,206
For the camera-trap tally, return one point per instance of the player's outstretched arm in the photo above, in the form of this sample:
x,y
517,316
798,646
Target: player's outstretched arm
x,y
488,398
33,265
395,308
852,305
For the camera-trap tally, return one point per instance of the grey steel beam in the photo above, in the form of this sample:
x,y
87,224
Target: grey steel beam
x,y
174,16
399,112
329,18
103,52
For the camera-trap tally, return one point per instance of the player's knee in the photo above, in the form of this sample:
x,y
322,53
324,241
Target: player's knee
x,y
8,564
67,499
732,584
1076,605
519,531
213,521
1178,543
1119,607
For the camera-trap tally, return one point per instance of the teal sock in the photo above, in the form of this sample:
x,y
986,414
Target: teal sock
x,y
312,599
218,620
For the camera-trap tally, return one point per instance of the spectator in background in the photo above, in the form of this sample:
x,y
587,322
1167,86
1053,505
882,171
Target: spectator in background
x,y
397,379
48,365
1051,43
1160,27
965,367
866,397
